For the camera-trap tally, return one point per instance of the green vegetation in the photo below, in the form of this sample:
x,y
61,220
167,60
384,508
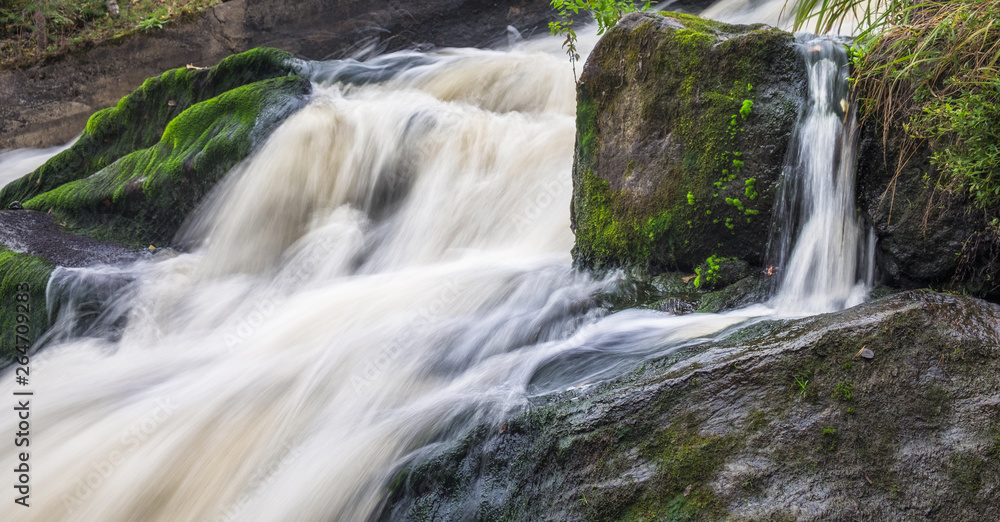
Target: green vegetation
x,y
31,30
929,71
605,12
26,276
844,391
802,383
710,273
142,198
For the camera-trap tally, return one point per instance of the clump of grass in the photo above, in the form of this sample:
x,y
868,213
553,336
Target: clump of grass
x,y
930,72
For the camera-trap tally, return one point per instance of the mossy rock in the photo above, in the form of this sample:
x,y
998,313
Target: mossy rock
x,y
673,162
23,318
138,120
144,197
724,432
142,166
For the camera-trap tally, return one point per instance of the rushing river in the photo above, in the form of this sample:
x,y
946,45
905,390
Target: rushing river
x,y
392,265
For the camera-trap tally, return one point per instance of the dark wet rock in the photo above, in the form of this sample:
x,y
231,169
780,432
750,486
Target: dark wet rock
x,y
928,234
911,434
37,234
32,244
16,205
673,163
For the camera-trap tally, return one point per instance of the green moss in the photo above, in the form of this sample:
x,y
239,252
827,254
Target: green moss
x,y
966,474
143,197
17,270
138,120
688,83
687,461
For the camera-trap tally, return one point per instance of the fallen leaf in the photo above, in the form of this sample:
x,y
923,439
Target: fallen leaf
x,y
868,479
687,279
687,490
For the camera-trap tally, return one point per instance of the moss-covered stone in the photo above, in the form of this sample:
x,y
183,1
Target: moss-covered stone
x,y
726,433
143,197
23,317
138,120
682,130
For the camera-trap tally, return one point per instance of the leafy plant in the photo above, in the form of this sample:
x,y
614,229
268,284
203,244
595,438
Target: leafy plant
x,y
605,12
153,22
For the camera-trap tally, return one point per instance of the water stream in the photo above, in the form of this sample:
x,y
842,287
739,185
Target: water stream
x,y
392,266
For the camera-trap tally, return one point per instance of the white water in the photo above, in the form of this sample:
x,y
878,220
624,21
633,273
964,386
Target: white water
x,y
777,13
391,266
823,249
17,163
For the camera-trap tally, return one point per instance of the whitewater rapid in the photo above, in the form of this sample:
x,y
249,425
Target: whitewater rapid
x,y
390,267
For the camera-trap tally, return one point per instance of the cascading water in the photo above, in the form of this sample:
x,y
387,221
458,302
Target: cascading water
x,y
823,252
390,268
17,163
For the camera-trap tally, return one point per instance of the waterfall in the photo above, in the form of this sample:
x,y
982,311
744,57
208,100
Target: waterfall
x,y
390,268
822,251
17,163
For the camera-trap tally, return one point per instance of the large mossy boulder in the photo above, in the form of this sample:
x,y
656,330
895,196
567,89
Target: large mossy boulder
x,y
683,125
141,166
781,420
135,174
930,232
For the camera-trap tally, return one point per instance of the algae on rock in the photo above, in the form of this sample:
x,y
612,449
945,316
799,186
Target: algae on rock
x,y
682,130
143,197
27,276
139,119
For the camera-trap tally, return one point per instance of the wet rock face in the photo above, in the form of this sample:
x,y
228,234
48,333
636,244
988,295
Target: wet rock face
x,y
683,126
782,420
928,235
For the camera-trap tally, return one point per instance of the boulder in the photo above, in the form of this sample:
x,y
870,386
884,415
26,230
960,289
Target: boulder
x,y
779,420
141,166
134,175
929,232
683,126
